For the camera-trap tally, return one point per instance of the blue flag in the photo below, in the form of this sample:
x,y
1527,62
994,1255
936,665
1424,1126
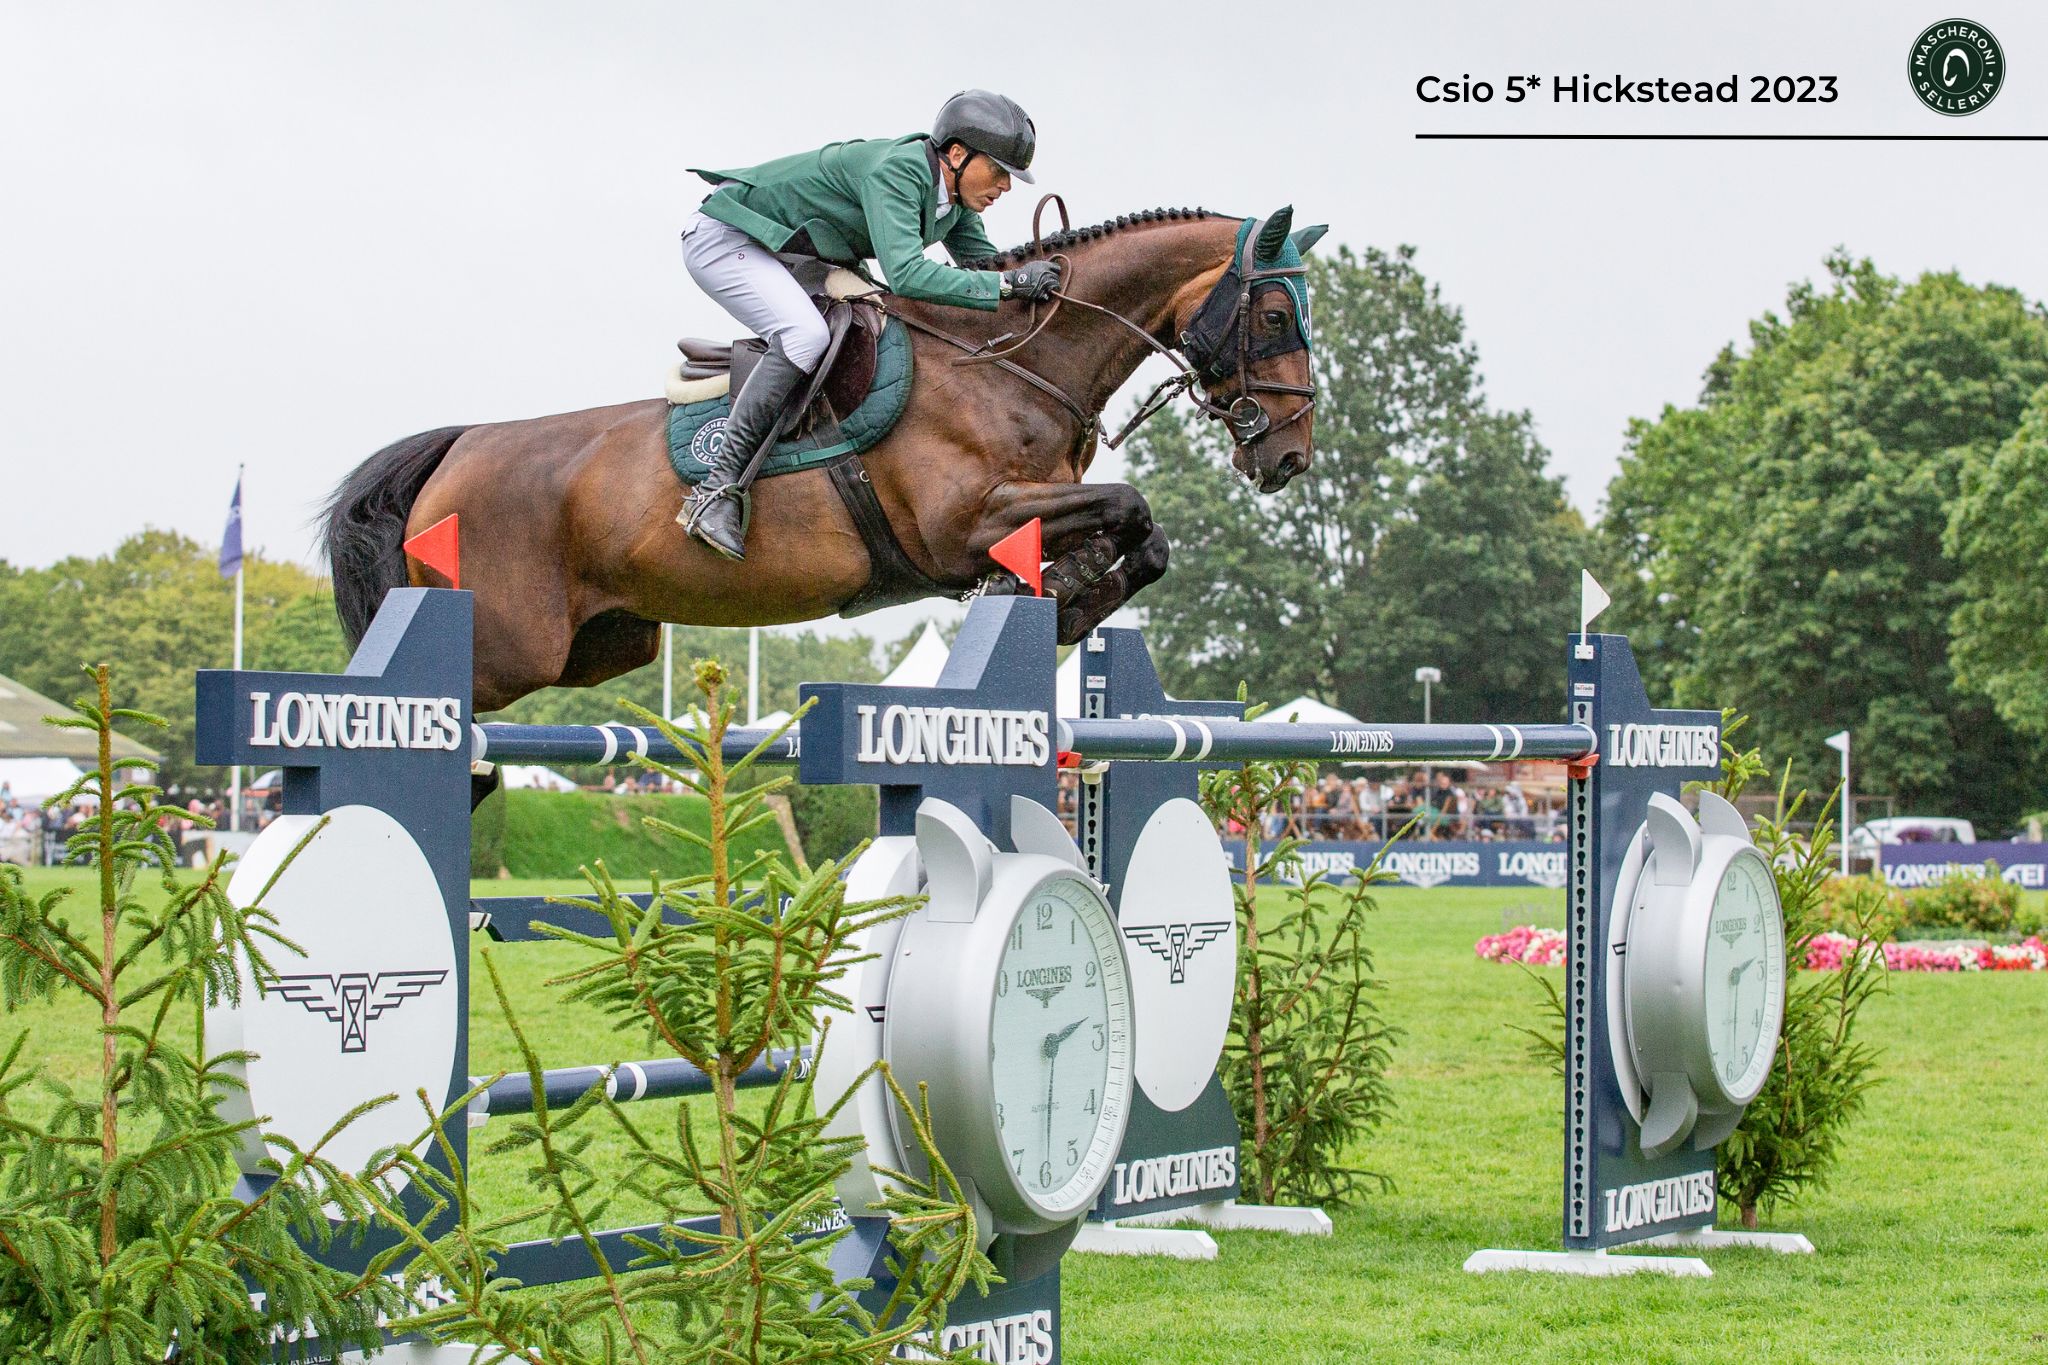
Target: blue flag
x,y
231,539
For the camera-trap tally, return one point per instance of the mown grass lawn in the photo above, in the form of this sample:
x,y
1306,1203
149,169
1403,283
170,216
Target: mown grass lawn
x,y
1932,1237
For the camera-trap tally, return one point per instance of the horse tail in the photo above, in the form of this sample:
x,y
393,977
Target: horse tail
x,y
366,524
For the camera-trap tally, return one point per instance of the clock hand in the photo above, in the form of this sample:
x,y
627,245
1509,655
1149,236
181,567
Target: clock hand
x,y
1051,1046
1051,1064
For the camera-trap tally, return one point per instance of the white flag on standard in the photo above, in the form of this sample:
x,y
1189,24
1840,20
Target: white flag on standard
x,y
1593,599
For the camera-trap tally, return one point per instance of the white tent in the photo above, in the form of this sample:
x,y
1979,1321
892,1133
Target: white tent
x,y
1308,711
525,776
30,780
921,666
687,721
1066,683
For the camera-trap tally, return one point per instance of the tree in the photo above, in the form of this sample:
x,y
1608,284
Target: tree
x,y
1780,544
1427,531
159,604
1998,536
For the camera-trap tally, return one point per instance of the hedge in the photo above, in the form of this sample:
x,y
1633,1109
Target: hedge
x,y
552,834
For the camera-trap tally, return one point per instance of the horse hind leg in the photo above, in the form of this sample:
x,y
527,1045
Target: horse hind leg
x,y
607,645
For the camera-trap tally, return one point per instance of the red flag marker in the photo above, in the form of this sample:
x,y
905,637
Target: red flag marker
x,y
439,547
1019,552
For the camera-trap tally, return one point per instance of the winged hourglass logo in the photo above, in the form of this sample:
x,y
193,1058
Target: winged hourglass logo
x,y
352,999
1176,942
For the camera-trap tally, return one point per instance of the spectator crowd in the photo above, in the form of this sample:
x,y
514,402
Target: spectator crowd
x,y
34,835
1372,807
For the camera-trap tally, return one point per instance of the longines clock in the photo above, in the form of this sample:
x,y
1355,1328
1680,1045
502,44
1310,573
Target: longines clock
x,y
1008,996
1702,979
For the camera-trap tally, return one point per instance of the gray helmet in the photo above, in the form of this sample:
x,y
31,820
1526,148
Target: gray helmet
x,y
991,124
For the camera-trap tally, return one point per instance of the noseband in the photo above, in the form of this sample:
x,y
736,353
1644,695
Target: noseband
x,y
1218,345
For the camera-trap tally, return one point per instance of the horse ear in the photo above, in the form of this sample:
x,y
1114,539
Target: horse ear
x,y
1273,233
1309,236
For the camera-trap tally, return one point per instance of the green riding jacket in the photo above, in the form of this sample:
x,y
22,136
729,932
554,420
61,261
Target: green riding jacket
x,y
858,200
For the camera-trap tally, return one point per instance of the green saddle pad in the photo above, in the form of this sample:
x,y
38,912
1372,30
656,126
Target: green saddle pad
x,y
696,430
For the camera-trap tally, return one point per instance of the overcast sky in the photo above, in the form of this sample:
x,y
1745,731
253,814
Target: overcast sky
x,y
284,235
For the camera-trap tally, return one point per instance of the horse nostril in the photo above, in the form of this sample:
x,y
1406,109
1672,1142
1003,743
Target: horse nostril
x,y
1295,463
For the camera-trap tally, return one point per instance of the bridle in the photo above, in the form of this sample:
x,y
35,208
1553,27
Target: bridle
x,y
1210,358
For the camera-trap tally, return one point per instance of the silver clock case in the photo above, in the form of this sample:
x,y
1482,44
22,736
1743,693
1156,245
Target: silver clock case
x,y
1669,1053
956,865
940,1018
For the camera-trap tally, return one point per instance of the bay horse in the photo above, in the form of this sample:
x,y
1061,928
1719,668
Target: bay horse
x,y
568,521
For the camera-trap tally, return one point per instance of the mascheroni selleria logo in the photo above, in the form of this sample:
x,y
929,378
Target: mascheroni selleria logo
x,y
1956,67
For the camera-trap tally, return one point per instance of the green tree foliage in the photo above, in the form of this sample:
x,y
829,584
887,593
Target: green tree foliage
x,y
1306,1059
1427,531
1998,537
159,603
1791,1134
1782,542
121,1241
742,975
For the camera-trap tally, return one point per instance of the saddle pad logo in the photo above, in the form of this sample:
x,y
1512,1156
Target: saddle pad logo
x,y
708,442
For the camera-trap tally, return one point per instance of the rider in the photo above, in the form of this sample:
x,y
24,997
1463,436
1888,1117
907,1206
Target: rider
x,y
844,203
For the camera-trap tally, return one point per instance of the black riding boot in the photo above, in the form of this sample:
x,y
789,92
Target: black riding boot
x,y
716,512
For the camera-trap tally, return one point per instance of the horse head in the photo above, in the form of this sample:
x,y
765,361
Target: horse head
x,y
1249,340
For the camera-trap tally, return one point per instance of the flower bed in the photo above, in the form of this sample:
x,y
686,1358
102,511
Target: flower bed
x,y
1540,947
1528,943
1826,951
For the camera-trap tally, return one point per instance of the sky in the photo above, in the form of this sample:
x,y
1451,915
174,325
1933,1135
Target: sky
x,y
282,236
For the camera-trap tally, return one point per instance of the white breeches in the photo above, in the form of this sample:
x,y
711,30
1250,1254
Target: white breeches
x,y
756,288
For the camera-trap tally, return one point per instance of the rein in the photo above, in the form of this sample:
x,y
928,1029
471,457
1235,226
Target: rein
x,y
1246,416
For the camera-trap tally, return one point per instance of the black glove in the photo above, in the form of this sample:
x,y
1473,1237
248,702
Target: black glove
x,y
1034,281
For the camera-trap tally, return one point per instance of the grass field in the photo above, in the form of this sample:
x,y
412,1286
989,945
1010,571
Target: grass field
x,y
1933,1236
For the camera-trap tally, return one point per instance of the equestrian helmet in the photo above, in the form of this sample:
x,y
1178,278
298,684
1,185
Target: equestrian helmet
x,y
991,124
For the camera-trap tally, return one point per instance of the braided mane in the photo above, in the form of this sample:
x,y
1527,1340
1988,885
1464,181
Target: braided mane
x,y
1075,236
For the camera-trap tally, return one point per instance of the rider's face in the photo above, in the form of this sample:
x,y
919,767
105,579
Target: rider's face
x,y
981,180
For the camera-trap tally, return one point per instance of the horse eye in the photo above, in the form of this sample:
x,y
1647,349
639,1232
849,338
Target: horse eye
x,y
1274,317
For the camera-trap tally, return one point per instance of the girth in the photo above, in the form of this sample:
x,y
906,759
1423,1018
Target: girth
x,y
892,578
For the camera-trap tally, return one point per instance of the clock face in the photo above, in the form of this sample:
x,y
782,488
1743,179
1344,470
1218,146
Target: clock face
x,y
1745,975
1060,1044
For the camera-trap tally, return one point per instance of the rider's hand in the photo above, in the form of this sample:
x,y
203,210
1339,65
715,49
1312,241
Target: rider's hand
x,y
1034,281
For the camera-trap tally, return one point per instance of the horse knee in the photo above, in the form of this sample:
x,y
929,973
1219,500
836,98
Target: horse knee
x,y
1128,515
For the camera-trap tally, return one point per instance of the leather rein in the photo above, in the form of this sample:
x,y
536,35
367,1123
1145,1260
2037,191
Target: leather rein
x,y
1246,415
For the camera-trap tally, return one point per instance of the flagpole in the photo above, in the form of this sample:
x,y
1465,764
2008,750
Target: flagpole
x,y
1845,814
235,781
753,674
668,672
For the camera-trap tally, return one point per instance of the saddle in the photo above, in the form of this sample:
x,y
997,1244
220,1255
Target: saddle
x,y
854,399
713,369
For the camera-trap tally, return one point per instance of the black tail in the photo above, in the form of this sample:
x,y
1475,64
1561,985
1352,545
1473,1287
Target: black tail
x,y
366,524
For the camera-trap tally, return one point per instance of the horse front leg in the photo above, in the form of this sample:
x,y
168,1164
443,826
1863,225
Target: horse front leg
x,y
1101,540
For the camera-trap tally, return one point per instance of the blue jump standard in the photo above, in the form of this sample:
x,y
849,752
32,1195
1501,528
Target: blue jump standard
x,y
389,734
